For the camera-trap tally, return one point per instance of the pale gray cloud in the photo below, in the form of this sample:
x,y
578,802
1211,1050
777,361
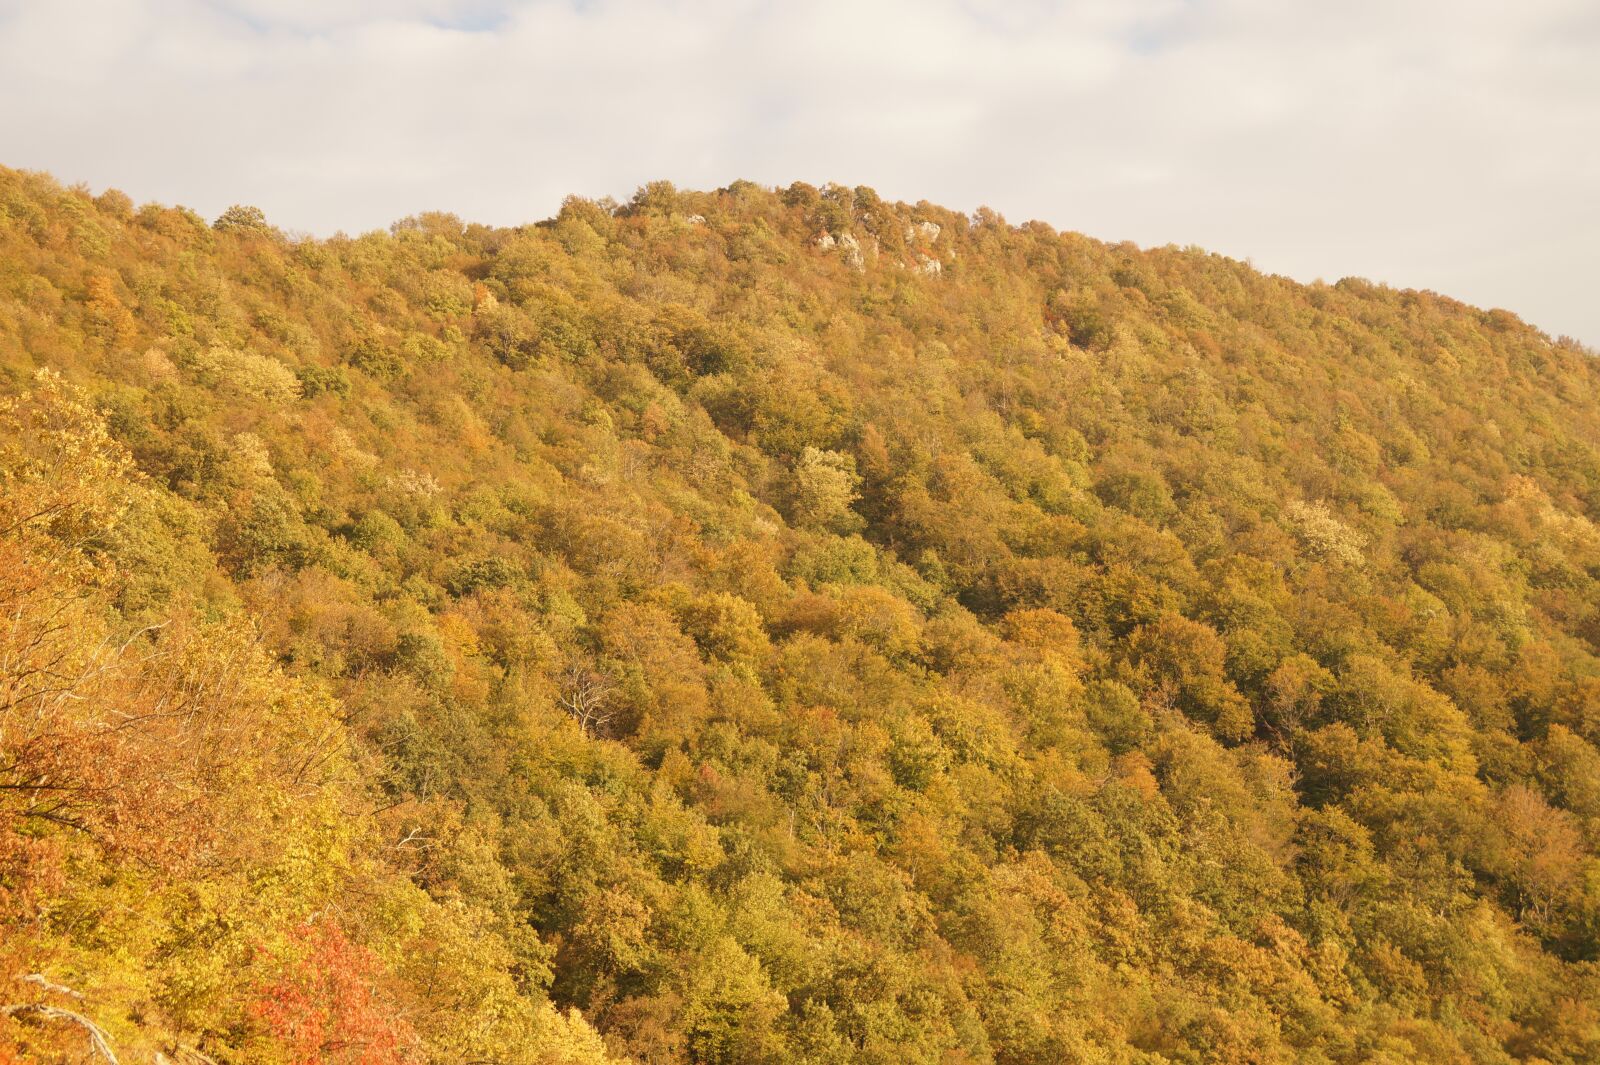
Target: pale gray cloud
x,y
1446,145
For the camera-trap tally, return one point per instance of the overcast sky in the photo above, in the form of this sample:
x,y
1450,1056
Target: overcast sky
x,y
1445,145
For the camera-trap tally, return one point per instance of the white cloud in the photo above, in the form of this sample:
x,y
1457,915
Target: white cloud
x,y
1446,145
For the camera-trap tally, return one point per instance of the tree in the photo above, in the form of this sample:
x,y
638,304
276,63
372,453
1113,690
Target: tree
x,y
586,696
324,1006
240,218
1186,660
825,488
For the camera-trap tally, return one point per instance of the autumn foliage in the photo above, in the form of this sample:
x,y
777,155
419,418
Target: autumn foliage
x,y
325,1007
675,632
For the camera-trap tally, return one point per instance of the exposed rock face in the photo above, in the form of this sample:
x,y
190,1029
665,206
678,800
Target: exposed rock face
x,y
696,220
852,251
921,236
850,248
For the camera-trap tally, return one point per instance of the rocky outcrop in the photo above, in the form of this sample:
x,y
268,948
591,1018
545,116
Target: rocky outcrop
x,y
849,248
920,237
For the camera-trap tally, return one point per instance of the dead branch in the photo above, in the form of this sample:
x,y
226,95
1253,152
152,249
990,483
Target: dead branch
x,y
97,1037
40,980
586,696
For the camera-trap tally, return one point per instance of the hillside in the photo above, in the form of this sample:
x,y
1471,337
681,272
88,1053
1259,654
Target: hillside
x,y
771,626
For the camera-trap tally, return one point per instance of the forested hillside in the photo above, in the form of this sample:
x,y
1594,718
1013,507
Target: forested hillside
x,y
772,626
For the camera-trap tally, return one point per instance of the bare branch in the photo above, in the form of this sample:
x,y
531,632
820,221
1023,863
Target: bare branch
x,y
97,1036
586,696
40,980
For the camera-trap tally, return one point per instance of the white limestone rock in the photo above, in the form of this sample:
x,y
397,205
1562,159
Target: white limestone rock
x,y
849,248
852,252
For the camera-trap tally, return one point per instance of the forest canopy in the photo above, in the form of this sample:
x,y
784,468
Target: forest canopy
x,y
781,625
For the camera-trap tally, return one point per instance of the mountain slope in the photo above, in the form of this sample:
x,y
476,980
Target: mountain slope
x,y
784,626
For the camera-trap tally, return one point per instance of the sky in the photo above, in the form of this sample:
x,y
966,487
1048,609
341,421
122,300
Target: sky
x,y
1452,146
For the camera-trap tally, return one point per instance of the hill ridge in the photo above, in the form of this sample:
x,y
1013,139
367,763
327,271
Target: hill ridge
x,y
660,633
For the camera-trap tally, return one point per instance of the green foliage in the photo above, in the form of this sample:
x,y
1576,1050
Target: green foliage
x,y
825,486
240,217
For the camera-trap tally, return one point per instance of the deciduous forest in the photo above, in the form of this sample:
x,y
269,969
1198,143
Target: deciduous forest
x,y
781,626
